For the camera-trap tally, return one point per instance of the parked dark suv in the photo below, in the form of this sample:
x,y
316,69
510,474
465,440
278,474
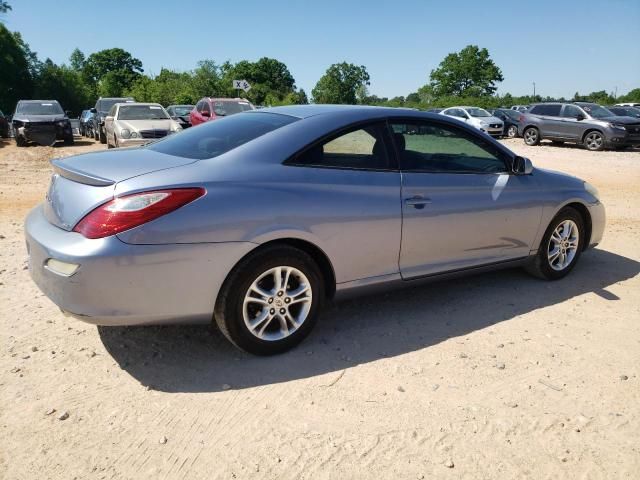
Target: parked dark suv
x,y
41,121
103,105
584,123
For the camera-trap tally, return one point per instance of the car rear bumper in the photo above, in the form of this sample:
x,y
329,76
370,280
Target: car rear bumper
x,y
122,284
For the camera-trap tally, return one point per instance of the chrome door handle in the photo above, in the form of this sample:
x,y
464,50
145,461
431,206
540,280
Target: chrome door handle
x,y
417,201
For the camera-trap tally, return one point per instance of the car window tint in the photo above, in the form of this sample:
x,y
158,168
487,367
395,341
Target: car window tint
x,y
427,147
571,111
212,139
549,110
361,148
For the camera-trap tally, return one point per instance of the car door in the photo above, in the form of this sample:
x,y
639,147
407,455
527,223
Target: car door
x,y
461,206
570,127
550,126
350,201
109,123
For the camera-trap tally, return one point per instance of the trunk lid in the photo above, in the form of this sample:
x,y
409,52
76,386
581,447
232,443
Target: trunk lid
x,y
83,182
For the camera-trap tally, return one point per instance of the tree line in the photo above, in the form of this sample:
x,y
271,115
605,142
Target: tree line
x,y
467,77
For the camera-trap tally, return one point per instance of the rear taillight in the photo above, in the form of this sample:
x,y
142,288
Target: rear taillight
x,y
128,211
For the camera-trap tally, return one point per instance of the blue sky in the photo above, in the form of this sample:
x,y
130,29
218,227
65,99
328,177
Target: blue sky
x,y
564,46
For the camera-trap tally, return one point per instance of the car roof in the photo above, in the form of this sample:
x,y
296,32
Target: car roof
x,y
226,99
365,111
144,104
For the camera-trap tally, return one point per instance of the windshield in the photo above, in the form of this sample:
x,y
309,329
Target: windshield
x,y
142,112
596,111
182,110
477,112
40,108
215,138
224,108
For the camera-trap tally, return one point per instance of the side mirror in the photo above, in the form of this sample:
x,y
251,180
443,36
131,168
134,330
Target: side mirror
x,y
93,110
108,119
580,117
204,113
522,166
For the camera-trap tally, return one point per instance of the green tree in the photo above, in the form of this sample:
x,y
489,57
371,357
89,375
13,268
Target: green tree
x,y
470,72
32,57
268,78
111,71
15,79
4,6
632,96
64,84
341,84
77,60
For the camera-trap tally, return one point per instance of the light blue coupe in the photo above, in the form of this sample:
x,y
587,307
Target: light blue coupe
x,y
253,221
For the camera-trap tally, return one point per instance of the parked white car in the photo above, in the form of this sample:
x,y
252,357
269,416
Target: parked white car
x,y
520,108
477,117
628,104
130,124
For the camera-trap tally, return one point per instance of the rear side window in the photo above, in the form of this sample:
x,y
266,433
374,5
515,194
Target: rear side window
x,y
215,138
436,148
549,110
361,148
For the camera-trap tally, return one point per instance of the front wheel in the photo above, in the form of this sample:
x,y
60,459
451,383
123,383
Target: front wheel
x,y
594,141
560,247
531,136
271,300
512,131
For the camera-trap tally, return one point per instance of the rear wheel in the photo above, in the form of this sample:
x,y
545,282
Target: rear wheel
x,y
102,135
531,136
271,300
560,247
594,141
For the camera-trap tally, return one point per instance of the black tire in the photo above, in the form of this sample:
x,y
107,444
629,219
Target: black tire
x,y
103,136
531,136
95,134
228,312
20,141
540,265
512,131
593,141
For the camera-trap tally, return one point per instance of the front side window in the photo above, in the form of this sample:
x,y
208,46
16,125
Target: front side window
x,y
437,148
360,148
571,111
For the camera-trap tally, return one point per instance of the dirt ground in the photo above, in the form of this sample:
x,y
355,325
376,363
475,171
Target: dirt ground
x,y
494,376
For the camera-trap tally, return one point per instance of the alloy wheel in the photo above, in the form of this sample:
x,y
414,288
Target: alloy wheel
x,y
531,136
563,245
511,132
594,141
277,303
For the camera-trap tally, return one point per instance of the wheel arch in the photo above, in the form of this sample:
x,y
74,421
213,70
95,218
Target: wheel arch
x,y
582,209
315,252
592,129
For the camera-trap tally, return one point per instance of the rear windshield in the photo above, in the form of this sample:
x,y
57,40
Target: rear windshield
x,y
215,138
142,112
43,108
229,107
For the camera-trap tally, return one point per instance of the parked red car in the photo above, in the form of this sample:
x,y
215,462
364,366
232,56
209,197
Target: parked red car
x,y
209,109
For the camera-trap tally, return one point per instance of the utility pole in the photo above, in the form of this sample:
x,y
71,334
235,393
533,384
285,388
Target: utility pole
x,y
534,91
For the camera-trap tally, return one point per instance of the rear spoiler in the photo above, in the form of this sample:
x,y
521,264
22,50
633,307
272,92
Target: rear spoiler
x,y
79,176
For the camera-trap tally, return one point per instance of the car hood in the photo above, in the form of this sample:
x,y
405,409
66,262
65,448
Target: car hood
x,y
487,119
40,118
622,120
555,179
137,125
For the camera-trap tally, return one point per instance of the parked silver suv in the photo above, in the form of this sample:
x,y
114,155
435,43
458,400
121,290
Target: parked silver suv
x,y
584,123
